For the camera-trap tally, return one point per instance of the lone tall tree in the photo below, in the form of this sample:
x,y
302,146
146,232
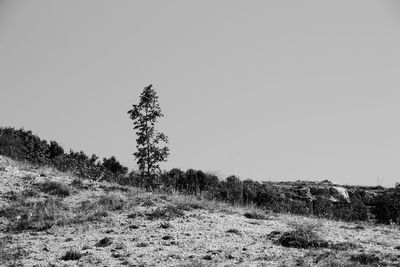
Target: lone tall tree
x,y
149,151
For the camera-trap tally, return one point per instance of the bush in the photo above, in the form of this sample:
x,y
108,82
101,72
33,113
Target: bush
x,y
165,225
254,214
112,202
78,183
55,188
168,212
24,146
387,208
71,255
88,212
303,235
234,231
364,258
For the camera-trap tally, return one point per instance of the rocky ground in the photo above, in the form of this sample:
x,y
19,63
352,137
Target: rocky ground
x,y
49,218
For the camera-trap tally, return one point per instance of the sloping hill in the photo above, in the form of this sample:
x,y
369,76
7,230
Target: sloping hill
x,y
49,218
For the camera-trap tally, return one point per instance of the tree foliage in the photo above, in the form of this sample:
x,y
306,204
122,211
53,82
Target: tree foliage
x,y
148,143
25,146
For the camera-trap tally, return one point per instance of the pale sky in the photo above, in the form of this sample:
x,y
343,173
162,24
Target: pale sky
x,y
266,90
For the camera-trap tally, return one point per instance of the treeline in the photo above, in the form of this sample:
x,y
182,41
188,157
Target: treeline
x,y
22,145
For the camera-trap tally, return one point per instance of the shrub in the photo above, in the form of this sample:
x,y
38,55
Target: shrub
x,y
38,216
303,235
234,231
55,188
77,182
168,212
71,255
254,214
387,208
355,210
188,203
165,225
89,212
104,242
365,258
112,201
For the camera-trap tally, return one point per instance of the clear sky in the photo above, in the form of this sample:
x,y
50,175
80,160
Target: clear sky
x,y
267,90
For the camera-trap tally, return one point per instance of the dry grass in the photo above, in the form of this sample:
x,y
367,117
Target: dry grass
x,y
302,235
182,226
55,188
112,201
71,255
36,215
255,214
165,213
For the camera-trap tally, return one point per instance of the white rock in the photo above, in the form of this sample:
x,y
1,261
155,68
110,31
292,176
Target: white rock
x,y
343,192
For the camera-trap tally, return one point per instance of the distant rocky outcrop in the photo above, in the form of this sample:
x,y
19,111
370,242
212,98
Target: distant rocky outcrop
x,y
328,195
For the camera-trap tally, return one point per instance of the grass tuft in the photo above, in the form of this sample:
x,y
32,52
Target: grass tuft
x,y
303,235
38,215
255,214
71,255
165,225
112,202
168,212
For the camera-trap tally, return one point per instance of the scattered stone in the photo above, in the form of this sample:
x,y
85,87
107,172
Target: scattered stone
x,y
120,246
207,257
117,255
142,245
234,231
68,239
85,247
133,226
230,257
167,237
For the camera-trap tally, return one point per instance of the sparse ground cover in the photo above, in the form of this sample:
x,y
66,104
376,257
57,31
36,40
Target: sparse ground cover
x,y
48,218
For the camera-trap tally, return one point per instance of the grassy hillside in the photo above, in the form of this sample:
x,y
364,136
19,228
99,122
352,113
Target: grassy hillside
x,y
51,218
321,199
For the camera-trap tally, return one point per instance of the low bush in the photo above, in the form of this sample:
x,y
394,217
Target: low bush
x,y
112,202
387,208
104,242
166,213
365,258
39,215
55,188
234,231
254,214
165,225
88,212
71,255
303,235
78,183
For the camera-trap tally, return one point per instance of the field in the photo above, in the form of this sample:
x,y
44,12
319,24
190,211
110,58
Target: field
x,y
50,218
